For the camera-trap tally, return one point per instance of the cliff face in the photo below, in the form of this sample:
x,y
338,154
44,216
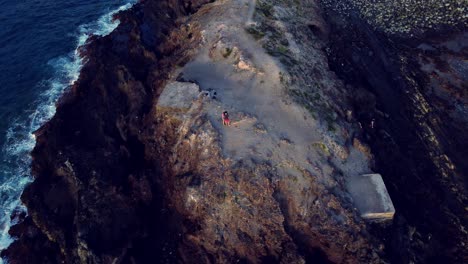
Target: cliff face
x,y
416,79
96,194
135,167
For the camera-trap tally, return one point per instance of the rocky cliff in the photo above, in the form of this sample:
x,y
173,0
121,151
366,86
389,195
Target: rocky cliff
x,y
136,166
414,67
97,193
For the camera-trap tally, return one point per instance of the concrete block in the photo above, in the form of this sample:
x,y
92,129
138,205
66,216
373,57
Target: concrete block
x,y
371,197
178,95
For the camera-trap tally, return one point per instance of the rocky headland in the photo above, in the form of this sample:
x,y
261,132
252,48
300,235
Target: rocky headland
x,y
136,167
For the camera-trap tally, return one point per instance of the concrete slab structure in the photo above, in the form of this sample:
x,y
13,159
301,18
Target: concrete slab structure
x,y
371,197
179,95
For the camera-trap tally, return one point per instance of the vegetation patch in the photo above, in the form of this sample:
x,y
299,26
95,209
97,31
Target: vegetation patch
x,y
330,120
252,30
311,110
227,52
281,49
322,148
276,50
265,8
312,101
307,96
259,128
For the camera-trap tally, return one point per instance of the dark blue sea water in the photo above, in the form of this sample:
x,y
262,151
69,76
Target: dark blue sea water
x,y
38,60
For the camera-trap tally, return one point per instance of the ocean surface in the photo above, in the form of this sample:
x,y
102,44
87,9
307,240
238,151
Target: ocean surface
x,y
38,61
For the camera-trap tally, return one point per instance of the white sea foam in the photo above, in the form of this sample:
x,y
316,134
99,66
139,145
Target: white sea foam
x,y
15,168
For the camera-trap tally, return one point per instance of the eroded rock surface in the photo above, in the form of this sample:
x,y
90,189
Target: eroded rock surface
x,y
136,166
96,196
410,84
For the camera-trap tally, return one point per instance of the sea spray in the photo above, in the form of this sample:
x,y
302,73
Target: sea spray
x,y
20,140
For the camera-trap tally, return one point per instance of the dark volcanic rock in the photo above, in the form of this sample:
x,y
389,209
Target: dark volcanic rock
x,y
416,93
96,194
34,247
121,179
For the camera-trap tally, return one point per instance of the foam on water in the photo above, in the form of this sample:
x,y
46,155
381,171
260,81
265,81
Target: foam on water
x,y
19,139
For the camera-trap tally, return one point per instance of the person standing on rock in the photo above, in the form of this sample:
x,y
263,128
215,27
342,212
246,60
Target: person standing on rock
x,y
226,121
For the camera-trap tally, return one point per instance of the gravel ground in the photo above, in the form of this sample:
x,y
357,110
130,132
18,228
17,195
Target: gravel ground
x,y
406,17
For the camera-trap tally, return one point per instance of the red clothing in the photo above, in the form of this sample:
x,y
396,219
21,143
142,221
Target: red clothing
x,y
225,117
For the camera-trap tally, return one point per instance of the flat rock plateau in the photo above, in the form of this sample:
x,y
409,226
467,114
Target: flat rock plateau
x,y
137,167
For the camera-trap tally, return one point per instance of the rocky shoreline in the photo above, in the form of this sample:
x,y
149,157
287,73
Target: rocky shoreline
x,y
95,190
124,173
